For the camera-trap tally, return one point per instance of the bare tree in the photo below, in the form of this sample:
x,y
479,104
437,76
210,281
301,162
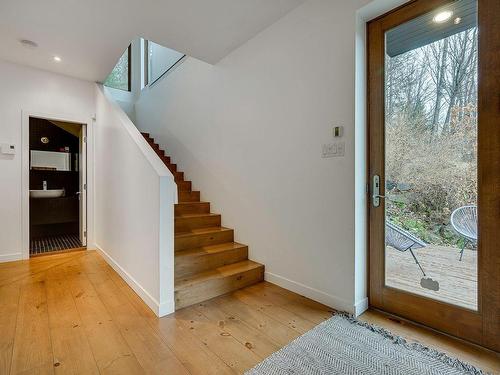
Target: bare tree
x,y
460,70
436,59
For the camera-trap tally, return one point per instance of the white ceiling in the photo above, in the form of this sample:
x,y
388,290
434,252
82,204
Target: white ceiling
x,y
90,35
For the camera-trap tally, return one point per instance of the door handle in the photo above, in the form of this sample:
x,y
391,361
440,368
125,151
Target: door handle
x,y
376,191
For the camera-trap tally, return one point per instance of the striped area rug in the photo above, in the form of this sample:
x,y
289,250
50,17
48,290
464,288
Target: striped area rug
x,y
55,243
344,345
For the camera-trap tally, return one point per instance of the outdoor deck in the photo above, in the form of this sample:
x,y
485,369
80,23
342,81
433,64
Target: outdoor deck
x,y
457,279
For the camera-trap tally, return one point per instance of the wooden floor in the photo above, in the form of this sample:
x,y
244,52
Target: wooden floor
x,y
71,313
457,279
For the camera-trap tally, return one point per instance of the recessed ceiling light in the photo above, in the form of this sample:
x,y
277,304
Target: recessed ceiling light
x,y
57,59
443,16
457,20
28,43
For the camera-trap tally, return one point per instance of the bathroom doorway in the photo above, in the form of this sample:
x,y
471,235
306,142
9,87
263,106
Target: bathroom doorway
x,y
57,186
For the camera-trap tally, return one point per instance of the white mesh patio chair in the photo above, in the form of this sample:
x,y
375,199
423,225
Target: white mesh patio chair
x,y
464,221
402,241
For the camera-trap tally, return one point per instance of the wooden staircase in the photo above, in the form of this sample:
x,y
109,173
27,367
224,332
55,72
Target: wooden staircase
x,y
208,263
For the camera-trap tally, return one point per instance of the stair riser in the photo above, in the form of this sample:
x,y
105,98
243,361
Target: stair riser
x,y
189,196
190,265
186,224
194,208
178,176
156,147
216,287
184,186
205,239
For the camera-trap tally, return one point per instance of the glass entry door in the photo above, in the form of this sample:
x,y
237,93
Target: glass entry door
x,y
425,165
430,203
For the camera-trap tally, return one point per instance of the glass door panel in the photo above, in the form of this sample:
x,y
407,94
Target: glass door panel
x,y
430,94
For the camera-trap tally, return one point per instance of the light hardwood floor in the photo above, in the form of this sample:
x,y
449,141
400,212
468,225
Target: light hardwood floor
x,y
71,313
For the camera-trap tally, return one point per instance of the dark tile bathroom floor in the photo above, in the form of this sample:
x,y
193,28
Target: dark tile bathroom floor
x,y
55,243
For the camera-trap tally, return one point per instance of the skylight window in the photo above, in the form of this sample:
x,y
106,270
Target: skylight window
x,y
159,60
121,73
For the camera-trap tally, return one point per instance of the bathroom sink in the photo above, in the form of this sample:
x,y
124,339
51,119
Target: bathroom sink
x,y
55,193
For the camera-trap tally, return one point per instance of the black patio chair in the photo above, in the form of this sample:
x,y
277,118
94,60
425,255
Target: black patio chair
x,y
401,240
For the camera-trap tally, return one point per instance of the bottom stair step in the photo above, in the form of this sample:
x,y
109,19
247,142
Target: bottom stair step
x,y
201,259
216,282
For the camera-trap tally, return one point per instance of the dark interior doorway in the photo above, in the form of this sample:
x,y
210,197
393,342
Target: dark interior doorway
x,y
55,185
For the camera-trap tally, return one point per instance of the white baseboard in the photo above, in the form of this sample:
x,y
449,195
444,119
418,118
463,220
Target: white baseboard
x,y
10,257
159,309
314,294
360,307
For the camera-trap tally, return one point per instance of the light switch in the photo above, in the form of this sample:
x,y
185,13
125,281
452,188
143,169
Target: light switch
x,y
341,149
330,150
8,149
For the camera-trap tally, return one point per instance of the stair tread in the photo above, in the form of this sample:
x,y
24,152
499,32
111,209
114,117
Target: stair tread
x,y
187,216
217,273
196,231
189,203
210,249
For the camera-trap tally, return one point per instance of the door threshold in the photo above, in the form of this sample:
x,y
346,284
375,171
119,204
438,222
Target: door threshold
x,y
410,323
75,249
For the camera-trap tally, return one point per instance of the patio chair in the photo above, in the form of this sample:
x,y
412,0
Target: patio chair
x,y
464,221
402,240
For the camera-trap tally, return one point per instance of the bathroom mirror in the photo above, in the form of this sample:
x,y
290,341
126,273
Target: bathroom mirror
x,y
49,160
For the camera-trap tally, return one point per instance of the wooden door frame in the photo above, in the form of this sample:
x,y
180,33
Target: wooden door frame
x,y
482,326
82,177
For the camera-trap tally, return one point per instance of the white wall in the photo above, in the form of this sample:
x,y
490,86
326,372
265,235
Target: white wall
x,y
134,191
248,131
134,216
33,90
371,10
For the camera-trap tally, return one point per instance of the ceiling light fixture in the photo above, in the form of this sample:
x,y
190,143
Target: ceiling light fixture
x,y
28,43
457,20
443,16
57,59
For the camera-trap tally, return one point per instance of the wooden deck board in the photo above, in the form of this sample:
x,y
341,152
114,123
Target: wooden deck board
x,y
457,279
